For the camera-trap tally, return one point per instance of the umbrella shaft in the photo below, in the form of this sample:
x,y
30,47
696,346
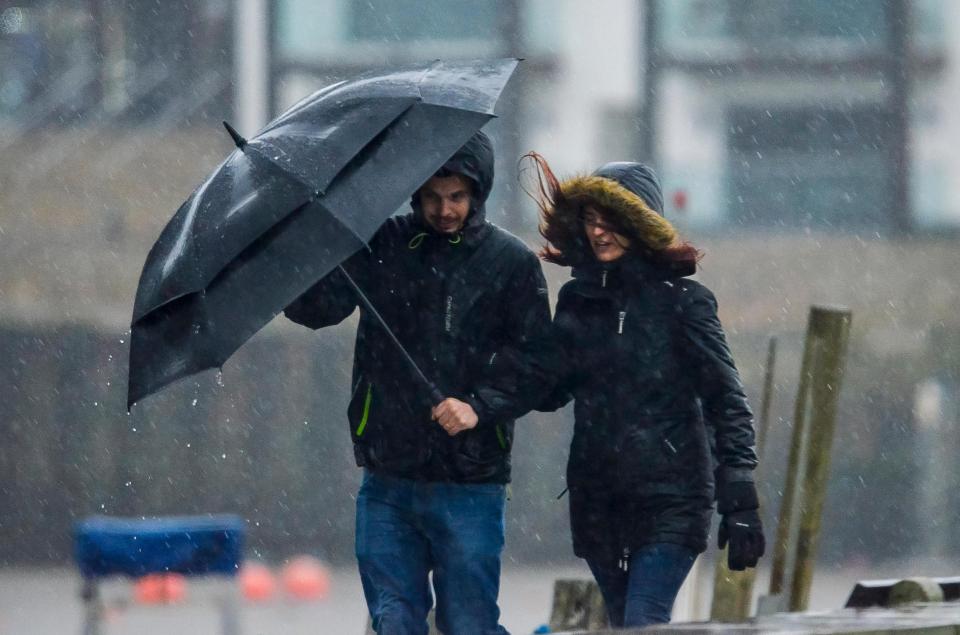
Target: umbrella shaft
x,y
435,394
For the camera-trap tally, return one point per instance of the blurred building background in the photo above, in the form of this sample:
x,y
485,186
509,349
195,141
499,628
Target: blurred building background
x,y
807,146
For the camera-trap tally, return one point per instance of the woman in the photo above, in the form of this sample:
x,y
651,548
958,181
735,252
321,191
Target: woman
x,y
659,406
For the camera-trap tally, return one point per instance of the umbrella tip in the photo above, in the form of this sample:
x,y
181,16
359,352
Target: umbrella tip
x,y
237,139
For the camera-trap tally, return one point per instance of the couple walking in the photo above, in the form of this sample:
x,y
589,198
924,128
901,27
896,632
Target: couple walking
x,y
663,428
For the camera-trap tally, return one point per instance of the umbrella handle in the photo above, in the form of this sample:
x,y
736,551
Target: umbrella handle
x,y
435,395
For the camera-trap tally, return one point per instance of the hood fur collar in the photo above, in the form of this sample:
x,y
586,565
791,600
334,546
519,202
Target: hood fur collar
x,y
650,228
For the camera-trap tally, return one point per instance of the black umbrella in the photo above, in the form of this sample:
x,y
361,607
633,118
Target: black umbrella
x,y
291,204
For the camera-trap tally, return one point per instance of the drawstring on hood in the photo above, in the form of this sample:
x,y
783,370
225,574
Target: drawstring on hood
x,y
419,237
473,160
417,240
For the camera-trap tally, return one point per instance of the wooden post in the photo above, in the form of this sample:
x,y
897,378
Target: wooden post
x,y
782,540
763,424
577,605
830,329
913,590
733,590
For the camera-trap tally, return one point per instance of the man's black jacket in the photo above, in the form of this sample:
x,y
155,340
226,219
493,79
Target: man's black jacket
x,y
474,316
471,309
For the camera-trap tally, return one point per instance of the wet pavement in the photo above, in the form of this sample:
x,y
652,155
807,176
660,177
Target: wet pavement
x,y
47,601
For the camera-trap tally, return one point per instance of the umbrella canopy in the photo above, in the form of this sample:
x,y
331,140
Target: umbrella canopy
x,y
291,204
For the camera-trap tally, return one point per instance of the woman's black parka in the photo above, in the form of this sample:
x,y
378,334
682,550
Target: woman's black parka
x,y
659,406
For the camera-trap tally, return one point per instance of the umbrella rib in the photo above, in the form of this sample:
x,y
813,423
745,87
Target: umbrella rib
x,y
251,151
435,394
423,76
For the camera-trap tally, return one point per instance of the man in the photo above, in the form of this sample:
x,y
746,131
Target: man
x,y
469,303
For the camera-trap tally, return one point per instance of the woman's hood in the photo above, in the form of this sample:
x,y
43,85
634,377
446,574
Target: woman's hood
x,y
630,192
637,178
627,192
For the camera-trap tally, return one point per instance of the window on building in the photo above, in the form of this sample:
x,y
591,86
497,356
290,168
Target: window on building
x,y
406,20
62,62
372,32
792,20
704,27
48,61
809,167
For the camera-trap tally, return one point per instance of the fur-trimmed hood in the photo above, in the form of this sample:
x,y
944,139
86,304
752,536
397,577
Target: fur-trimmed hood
x,y
623,190
630,195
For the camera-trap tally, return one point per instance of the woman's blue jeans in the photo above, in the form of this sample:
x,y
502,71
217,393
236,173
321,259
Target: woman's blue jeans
x,y
643,593
407,529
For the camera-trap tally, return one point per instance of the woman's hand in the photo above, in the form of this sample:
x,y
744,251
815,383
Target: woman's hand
x,y
743,531
740,525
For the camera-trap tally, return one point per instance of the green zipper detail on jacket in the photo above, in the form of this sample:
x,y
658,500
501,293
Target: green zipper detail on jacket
x,y
500,438
366,411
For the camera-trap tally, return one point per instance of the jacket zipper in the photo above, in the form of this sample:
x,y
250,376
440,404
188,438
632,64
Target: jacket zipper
x,y
603,279
448,314
366,411
501,438
625,559
623,316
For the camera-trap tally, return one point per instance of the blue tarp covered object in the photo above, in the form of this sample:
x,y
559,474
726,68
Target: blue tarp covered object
x,y
191,545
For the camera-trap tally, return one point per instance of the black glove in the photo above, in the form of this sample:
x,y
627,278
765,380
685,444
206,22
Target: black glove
x,y
740,525
744,531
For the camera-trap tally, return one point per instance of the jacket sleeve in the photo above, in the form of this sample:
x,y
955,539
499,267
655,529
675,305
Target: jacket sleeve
x,y
717,382
516,376
562,375
330,300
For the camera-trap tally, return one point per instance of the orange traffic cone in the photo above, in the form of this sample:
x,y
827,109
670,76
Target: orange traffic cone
x,y
257,582
160,588
305,578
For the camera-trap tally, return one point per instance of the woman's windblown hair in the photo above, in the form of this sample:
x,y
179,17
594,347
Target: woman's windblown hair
x,y
561,206
548,196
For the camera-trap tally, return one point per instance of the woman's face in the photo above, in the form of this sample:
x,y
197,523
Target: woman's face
x,y
607,244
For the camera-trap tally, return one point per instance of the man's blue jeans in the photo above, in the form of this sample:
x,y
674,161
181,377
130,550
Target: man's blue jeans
x,y
643,594
406,529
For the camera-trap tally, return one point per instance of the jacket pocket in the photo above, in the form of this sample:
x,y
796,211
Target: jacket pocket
x,y
663,450
678,447
479,453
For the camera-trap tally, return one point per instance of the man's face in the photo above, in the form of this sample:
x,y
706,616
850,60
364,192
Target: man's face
x,y
445,201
